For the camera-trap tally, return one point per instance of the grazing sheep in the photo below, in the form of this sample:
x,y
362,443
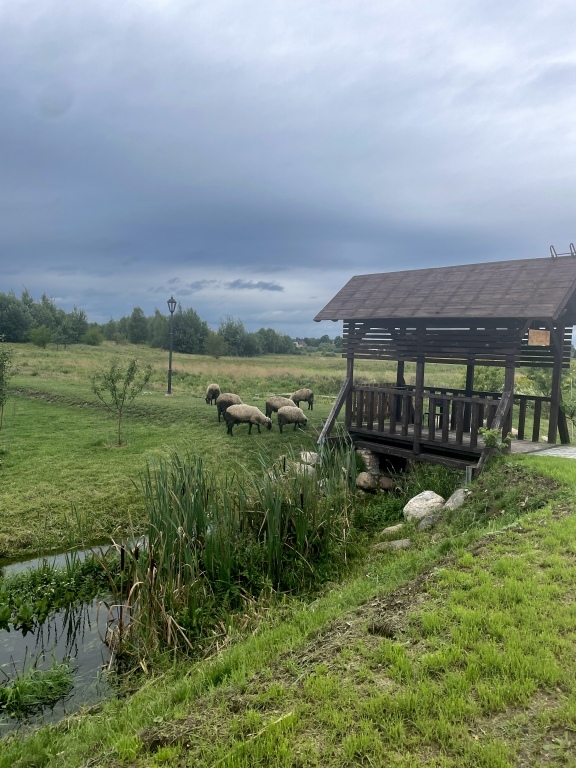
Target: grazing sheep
x,y
291,414
212,393
225,400
246,414
304,394
274,402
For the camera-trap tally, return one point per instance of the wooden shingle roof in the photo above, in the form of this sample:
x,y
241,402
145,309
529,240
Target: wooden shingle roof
x,y
524,288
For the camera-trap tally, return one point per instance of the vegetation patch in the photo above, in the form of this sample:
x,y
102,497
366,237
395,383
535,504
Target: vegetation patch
x,y
32,691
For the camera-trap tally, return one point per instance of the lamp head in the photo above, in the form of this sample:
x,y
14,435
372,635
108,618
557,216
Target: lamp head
x,y
171,304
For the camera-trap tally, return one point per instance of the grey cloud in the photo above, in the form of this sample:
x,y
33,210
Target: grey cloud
x,y
250,285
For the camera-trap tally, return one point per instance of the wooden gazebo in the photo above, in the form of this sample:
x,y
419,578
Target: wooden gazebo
x,y
509,313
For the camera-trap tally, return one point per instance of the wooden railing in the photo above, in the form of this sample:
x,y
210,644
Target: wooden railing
x,y
448,420
524,407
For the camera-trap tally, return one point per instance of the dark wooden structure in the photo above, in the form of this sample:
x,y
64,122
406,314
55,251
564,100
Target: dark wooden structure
x,y
511,314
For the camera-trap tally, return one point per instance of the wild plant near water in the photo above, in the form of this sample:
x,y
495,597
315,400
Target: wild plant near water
x,y
216,541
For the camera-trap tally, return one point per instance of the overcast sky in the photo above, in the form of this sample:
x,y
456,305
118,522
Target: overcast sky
x,y
250,156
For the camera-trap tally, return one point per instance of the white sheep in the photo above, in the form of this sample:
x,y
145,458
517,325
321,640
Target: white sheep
x,y
225,400
212,393
274,402
291,414
303,394
246,414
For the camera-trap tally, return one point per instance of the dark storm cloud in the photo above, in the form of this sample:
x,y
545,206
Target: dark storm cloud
x,y
250,157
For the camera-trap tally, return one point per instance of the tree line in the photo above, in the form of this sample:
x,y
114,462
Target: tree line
x,y
42,322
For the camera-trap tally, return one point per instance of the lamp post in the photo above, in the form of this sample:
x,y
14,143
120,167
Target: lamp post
x,y
171,307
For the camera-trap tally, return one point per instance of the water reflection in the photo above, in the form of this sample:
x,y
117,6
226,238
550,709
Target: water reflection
x,y
72,633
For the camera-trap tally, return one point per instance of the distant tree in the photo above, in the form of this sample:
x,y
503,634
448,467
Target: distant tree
x,y
215,345
76,325
117,387
190,332
159,330
7,369
109,329
92,337
15,318
138,327
487,378
41,336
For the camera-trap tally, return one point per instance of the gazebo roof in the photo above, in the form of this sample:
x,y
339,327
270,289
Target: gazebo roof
x,y
523,289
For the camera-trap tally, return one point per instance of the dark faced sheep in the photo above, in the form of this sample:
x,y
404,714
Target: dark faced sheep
x,y
274,402
304,394
225,400
291,414
246,414
212,393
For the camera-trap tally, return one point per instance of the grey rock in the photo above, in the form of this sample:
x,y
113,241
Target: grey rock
x,y
428,522
383,546
422,505
386,483
366,481
457,499
392,529
371,460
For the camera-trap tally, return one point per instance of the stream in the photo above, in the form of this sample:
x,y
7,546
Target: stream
x,y
74,634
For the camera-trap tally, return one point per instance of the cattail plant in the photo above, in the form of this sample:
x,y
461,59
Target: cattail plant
x,y
216,541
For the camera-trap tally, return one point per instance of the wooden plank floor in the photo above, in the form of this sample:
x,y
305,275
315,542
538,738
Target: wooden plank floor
x,y
517,446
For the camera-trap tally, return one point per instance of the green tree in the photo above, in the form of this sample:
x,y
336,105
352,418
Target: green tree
x,y
190,332
117,387
7,369
92,337
215,345
138,327
15,318
159,330
41,336
76,325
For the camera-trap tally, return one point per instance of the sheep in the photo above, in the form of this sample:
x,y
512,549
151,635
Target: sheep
x,y
274,402
224,400
304,394
212,393
246,414
291,414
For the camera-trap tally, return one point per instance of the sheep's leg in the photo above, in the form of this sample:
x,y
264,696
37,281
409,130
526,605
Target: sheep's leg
x,y
249,427
295,425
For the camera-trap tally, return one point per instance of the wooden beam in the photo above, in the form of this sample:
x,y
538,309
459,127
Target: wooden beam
x,y
333,415
497,422
557,338
418,406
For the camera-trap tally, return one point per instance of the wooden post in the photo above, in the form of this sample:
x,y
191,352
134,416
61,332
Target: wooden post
x,y
418,405
350,379
509,387
400,382
468,387
557,338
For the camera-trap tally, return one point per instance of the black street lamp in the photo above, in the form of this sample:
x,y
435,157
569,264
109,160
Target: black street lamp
x,y
171,307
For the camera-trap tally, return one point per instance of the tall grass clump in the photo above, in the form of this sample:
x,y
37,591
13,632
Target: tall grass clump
x,y
218,541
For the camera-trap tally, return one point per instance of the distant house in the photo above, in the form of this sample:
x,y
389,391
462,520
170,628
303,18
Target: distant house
x,y
300,343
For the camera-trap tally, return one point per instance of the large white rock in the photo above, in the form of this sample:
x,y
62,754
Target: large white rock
x,y
309,457
457,499
426,503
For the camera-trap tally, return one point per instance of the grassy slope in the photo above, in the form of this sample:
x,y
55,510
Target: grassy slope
x,y
460,652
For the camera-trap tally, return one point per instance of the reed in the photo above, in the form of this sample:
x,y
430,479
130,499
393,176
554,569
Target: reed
x,y
217,541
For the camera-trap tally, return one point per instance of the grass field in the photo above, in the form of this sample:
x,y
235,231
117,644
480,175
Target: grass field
x,y
60,463
457,652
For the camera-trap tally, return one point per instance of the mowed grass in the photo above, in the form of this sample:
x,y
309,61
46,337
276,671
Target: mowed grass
x,y
61,469
458,652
